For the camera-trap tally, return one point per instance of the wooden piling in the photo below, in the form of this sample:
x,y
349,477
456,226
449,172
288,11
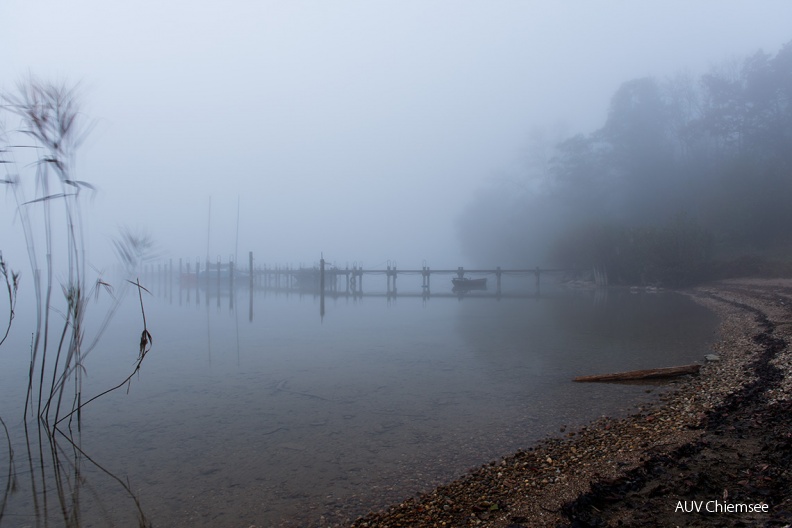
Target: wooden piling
x,y
391,279
230,285
321,287
231,275
322,275
425,274
288,278
218,282
197,281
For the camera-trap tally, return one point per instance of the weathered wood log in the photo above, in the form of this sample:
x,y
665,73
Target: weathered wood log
x,y
657,373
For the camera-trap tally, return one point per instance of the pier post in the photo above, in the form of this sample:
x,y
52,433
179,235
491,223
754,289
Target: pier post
x,y
197,281
322,275
321,287
250,269
394,279
425,273
189,284
391,278
231,274
353,281
498,279
218,281
230,285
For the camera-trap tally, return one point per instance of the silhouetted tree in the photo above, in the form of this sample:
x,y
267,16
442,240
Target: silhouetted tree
x,y
679,170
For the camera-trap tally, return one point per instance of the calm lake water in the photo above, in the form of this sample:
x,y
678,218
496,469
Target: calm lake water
x,y
289,417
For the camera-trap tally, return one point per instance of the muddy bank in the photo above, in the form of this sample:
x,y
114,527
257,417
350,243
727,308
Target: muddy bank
x,y
721,441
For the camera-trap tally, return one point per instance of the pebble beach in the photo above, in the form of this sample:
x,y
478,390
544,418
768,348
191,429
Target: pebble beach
x,y
720,440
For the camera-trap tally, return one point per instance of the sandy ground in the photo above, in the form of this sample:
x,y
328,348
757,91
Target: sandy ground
x,y
721,441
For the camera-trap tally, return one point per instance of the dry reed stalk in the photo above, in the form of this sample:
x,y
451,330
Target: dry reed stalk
x,y
51,120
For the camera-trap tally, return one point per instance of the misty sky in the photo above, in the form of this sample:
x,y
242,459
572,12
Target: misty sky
x,y
355,128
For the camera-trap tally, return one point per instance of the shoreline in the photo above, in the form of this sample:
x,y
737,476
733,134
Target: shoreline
x,y
723,435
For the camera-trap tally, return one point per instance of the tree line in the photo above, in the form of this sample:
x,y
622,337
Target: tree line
x,y
689,178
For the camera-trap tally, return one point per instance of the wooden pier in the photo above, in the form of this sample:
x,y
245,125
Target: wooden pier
x,y
328,279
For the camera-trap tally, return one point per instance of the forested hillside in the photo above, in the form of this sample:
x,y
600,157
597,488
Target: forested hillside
x,y
689,178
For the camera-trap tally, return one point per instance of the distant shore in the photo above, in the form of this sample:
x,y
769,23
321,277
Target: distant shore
x,y
716,450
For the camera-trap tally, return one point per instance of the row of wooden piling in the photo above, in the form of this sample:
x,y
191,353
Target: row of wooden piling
x,y
324,278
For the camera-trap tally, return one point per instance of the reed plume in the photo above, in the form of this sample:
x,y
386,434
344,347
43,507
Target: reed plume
x,y
48,204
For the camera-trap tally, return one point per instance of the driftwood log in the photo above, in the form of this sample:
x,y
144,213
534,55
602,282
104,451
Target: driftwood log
x,y
657,373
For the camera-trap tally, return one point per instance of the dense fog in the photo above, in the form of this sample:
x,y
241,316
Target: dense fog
x,y
374,132
689,177
613,142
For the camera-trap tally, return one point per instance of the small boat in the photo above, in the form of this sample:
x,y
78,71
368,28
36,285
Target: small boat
x,y
469,284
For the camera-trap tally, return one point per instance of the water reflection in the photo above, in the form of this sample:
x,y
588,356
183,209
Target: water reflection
x,y
288,418
222,286
56,482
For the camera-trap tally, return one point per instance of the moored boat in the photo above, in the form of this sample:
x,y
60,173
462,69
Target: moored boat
x,y
463,284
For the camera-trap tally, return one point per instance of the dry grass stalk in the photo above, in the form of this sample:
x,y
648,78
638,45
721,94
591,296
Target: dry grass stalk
x,y
50,118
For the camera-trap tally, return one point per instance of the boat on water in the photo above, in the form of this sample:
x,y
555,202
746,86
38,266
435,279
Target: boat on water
x,y
463,284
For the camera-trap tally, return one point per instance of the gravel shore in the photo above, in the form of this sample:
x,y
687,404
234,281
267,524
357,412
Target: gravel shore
x,y
721,439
